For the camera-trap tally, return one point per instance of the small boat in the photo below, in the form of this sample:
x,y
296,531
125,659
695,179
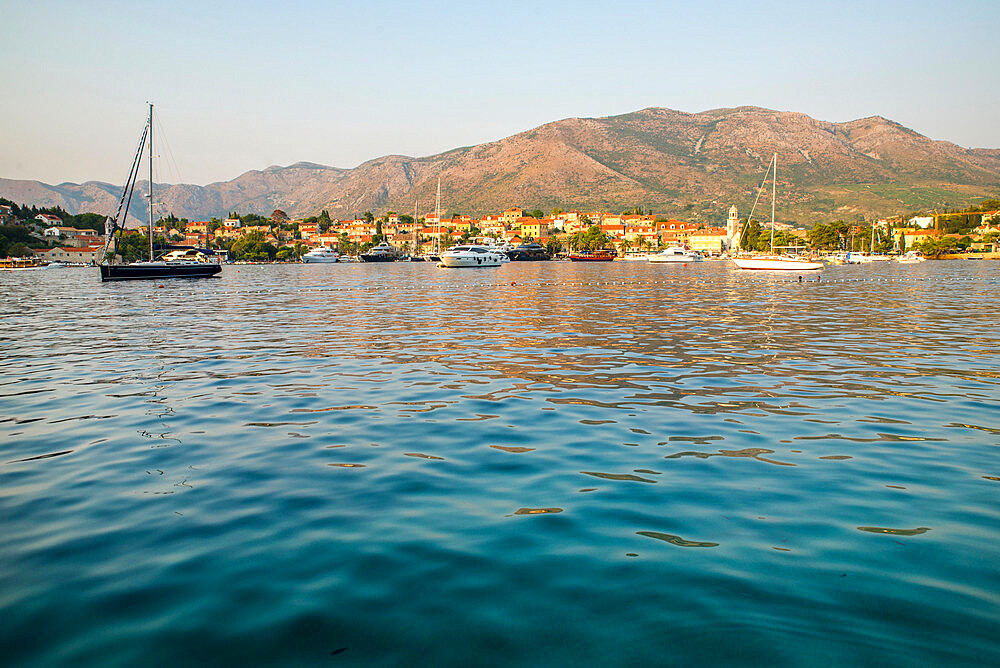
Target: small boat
x,y
676,254
773,261
473,256
380,253
23,263
911,257
176,264
776,263
593,256
321,255
634,256
527,253
856,258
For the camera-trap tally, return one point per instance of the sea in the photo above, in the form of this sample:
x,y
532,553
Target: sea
x,y
541,464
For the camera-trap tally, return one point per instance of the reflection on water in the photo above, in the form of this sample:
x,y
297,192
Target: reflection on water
x,y
895,532
752,453
675,540
173,483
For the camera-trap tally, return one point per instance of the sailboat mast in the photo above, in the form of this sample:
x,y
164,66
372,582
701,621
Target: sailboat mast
x,y
150,181
413,229
437,213
774,188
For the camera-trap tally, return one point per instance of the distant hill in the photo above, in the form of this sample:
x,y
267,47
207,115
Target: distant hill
x,y
692,166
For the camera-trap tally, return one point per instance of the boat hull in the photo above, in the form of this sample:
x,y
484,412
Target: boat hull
x,y
674,259
463,262
775,264
527,253
519,256
319,260
377,257
157,270
592,258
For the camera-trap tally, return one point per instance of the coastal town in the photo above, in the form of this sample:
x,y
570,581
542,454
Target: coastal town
x,y
277,237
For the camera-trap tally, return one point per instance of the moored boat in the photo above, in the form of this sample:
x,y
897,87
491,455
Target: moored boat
x,y
321,255
383,252
911,257
22,263
676,254
776,263
527,253
593,256
182,264
473,256
773,261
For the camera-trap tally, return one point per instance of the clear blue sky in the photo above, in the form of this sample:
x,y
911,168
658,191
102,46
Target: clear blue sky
x,y
245,85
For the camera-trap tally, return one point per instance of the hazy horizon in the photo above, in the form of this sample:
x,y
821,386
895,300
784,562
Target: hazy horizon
x,y
246,86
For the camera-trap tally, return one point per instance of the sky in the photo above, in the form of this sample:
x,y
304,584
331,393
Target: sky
x,y
246,85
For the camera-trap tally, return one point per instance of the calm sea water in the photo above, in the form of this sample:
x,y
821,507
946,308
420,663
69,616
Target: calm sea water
x,y
540,464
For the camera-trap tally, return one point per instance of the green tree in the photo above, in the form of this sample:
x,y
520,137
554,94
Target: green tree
x,y
11,235
253,247
592,239
254,219
553,246
87,221
346,246
323,220
369,217
537,213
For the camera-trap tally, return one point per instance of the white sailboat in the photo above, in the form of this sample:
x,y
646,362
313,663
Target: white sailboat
x,y
773,261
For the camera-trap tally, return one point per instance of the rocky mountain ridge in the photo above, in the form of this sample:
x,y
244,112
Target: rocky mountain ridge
x,y
692,166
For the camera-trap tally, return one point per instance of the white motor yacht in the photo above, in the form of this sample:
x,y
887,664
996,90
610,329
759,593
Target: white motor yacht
x,y
321,255
676,254
473,256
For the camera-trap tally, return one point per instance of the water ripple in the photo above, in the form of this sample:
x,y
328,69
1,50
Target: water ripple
x,y
290,462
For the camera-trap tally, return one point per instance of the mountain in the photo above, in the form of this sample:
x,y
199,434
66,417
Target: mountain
x,y
693,166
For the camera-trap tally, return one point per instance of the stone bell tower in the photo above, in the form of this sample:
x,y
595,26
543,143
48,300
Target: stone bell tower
x,y
733,228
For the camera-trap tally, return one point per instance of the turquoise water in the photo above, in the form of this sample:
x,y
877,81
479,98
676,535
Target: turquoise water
x,y
540,464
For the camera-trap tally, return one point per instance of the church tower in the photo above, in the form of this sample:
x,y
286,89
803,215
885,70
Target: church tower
x,y
733,228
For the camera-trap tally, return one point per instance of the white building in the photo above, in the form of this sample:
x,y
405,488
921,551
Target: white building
x,y
48,219
923,222
67,232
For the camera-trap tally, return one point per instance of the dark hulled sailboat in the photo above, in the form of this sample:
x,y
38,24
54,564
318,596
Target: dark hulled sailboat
x,y
182,265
